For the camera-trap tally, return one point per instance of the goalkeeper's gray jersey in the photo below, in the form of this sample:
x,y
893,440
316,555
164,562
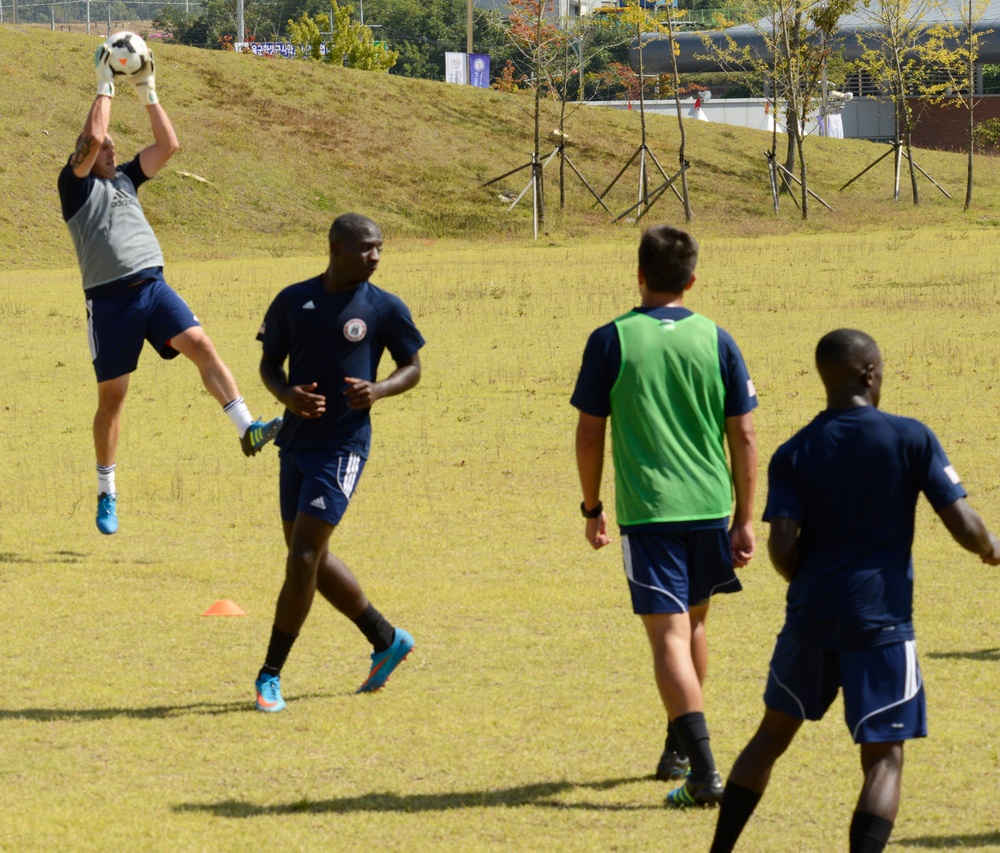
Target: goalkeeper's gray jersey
x,y
111,234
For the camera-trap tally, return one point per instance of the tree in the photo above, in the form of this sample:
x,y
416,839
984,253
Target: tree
x,y
797,36
350,43
541,43
953,50
892,59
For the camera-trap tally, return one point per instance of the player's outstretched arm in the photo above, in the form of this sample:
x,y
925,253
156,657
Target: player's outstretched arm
x,y
95,128
154,157
783,546
969,531
298,399
742,441
362,394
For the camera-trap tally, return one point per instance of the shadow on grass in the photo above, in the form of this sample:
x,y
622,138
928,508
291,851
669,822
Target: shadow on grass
x,y
540,794
981,839
157,712
982,654
58,557
154,712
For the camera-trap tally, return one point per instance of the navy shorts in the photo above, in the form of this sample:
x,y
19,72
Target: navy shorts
x,y
119,323
672,571
318,482
883,690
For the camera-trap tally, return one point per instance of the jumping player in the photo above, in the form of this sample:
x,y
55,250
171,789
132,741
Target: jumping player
x,y
127,299
676,389
841,502
332,330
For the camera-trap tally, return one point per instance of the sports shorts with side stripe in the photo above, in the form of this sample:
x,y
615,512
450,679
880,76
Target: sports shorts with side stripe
x,y
671,571
884,698
318,482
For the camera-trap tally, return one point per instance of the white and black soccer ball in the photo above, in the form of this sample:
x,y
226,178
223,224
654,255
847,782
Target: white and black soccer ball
x,y
128,54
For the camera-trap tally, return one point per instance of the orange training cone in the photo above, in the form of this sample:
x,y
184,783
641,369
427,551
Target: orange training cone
x,y
224,607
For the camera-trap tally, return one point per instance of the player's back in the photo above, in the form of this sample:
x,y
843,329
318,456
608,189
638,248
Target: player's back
x,y
858,473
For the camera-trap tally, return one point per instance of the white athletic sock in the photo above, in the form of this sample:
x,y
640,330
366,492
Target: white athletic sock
x,y
239,414
106,479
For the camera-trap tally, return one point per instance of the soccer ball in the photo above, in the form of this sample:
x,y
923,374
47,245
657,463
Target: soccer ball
x,y
128,54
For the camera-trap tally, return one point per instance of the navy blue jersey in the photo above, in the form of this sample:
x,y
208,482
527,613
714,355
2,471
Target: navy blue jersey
x,y
325,337
851,478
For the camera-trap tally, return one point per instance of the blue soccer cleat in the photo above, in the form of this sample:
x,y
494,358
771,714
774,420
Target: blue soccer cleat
x,y
269,694
107,513
258,434
385,662
707,792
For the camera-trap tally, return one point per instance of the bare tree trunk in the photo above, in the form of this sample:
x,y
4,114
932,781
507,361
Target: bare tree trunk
x,y
972,124
536,173
688,215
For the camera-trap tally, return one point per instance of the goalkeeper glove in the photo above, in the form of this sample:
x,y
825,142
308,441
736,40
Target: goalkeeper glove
x,y
105,76
144,83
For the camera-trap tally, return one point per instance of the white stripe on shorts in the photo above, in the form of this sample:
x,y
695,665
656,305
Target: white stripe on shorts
x,y
349,480
91,339
627,556
912,682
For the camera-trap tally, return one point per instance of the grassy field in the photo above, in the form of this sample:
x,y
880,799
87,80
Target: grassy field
x,y
527,717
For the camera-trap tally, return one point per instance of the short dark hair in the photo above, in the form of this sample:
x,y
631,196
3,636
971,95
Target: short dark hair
x,y
843,348
352,225
667,258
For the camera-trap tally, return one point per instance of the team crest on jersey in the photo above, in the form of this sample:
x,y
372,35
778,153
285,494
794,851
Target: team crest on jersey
x,y
355,330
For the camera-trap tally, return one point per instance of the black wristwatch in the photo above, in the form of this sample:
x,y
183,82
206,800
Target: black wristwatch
x,y
591,513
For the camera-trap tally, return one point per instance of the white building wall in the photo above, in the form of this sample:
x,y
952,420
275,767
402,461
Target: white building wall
x,y
863,118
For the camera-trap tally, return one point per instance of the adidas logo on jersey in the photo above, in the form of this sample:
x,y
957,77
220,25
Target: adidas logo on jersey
x,y
309,306
319,503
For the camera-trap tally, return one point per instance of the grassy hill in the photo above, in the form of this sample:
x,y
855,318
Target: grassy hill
x,y
272,150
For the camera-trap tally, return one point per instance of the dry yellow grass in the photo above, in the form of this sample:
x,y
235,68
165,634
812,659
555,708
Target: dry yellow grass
x,y
527,716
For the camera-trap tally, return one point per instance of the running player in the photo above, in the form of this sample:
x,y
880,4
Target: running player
x,y
127,299
332,330
677,390
841,503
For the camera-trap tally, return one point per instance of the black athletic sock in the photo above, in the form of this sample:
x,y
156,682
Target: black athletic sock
x,y
376,629
277,651
869,834
673,742
738,804
692,730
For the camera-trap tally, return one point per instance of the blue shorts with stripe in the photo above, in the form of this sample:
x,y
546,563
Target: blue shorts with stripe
x,y
118,324
883,690
670,571
318,482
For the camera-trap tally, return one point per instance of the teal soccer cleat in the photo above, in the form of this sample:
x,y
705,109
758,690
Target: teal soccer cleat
x,y
385,662
107,513
269,694
707,792
258,434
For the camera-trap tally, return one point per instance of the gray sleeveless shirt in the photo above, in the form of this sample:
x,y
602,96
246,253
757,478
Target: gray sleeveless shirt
x,y
109,230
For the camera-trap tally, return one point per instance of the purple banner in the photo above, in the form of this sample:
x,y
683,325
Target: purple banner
x,y
479,70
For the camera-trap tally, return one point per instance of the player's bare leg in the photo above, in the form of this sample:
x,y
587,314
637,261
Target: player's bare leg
x,y
677,678
195,344
107,420
750,775
107,430
307,539
871,824
337,584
